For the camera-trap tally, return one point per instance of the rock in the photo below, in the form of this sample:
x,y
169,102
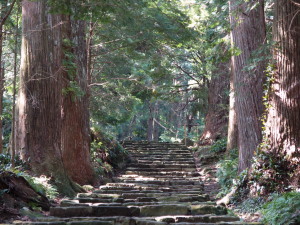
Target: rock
x,y
91,222
161,210
30,214
147,222
208,209
71,211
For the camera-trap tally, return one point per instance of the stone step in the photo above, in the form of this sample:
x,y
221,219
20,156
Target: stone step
x,y
166,162
129,195
163,182
142,186
161,176
114,220
163,189
196,219
159,173
159,152
134,221
157,148
152,192
143,211
94,211
161,165
142,154
131,178
161,169
138,202
156,156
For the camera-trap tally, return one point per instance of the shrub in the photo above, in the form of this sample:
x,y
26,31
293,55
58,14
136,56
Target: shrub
x,y
251,205
227,171
283,209
107,154
219,146
42,185
5,162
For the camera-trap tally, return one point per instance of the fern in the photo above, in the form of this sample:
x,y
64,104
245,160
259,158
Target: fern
x,y
283,209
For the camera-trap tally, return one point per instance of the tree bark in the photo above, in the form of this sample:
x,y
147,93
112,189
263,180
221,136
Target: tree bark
x,y
232,138
248,35
13,129
216,119
282,135
76,136
42,111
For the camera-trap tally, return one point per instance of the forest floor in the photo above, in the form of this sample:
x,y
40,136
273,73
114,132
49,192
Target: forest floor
x,y
207,165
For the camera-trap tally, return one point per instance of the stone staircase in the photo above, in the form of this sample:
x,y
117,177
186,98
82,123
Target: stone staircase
x,y
160,186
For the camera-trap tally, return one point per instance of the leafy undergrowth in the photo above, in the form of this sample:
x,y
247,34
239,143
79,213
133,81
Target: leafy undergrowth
x,y
271,208
23,195
283,209
108,156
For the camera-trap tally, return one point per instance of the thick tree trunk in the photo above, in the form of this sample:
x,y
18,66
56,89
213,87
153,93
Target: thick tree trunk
x,y
217,114
248,35
39,123
76,136
41,114
282,127
232,138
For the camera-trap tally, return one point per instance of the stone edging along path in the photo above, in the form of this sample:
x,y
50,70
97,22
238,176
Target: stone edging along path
x,y
160,186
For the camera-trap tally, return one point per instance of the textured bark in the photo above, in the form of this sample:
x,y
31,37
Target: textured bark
x,y
216,119
248,35
1,97
232,138
39,122
282,126
76,136
42,113
153,127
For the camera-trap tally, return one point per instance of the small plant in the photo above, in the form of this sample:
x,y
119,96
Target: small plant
x,y
251,205
5,162
227,172
40,184
283,209
107,154
219,146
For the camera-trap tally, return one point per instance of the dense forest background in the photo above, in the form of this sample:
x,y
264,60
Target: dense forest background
x,y
79,76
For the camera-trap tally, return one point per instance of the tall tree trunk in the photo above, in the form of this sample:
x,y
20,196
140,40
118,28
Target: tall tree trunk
x,y
282,127
1,98
248,35
75,105
232,137
40,104
13,129
151,122
217,114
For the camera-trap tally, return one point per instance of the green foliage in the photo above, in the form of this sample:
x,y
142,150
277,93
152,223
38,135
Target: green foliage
x,y
219,146
5,162
251,205
270,172
107,154
283,209
227,172
42,185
